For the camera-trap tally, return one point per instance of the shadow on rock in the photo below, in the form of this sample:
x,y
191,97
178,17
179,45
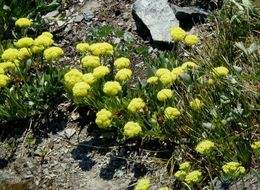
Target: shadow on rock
x,y
3,163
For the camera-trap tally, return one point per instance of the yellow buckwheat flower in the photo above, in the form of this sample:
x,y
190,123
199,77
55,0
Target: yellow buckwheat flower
x,y
80,89
2,71
185,166
210,81
101,49
256,147
23,23
112,88
72,77
164,94
162,71
47,34
152,80
177,34
82,47
132,129
7,66
189,64
193,177
37,49
196,104
24,53
177,71
100,72
143,184
90,61
53,53
122,62
180,175
233,169
43,40
10,54
205,147
171,113
168,78
24,42
88,78
220,71
123,74
136,104
103,118
3,80
191,40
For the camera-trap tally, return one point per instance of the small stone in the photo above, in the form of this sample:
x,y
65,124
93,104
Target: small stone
x,y
69,132
78,18
88,15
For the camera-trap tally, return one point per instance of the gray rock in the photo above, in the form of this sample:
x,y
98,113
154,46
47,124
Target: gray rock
x,y
88,14
78,18
154,18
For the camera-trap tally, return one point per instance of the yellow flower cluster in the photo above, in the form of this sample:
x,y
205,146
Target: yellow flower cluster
x,y
220,71
72,77
164,94
193,177
256,147
90,61
185,166
43,41
165,76
196,104
191,40
112,88
3,80
47,34
82,47
53,53
132,129
205,147
100,72
177,71
233,169
180,175
24,42
122,62
10,54
88,78
23,23
143,184
189,64
24,53
171,113
177,34
7,66
103,48
152,80
80,89
161,71
135,105
123,74
103,118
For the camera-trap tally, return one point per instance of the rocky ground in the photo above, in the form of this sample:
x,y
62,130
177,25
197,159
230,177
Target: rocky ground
x,y
67,152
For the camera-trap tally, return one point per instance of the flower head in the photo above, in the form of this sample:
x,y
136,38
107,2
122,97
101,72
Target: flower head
x,y
123,74
103,118
152,80
88,78
143,184
101,49
185,166
171,113
132,129
164,94
180,175
47,34
112,88
205,147
122,62
90,61
233,169
193,177
10,54
220,71
24,53
37,49
196,104
82,47
53,53
177,34
100,72
256,147
168,78
7,66
80,89
3,80
191,40
24,42
188,65
23,23
43,40
72,77
177,71
136,104
162,71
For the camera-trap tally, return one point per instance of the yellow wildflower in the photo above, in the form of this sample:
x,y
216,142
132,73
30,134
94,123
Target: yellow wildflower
x,y
37,49
180,175
256,147
210,81
143,184
196,104
7,65
112,88
177,34
24,42
122,62
101,49
191,40
123,74
100,72
205,147
80,89
177,71
2,71
88,78
220,71
3,80
82,47
168,78
23,23
171,113
72,77
47,34
185,166
193,177
164,94
10,54
233,169
136,104
43,40
53,53
103,118
152,80
189,64
132,129
24,53
90,61
162,71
